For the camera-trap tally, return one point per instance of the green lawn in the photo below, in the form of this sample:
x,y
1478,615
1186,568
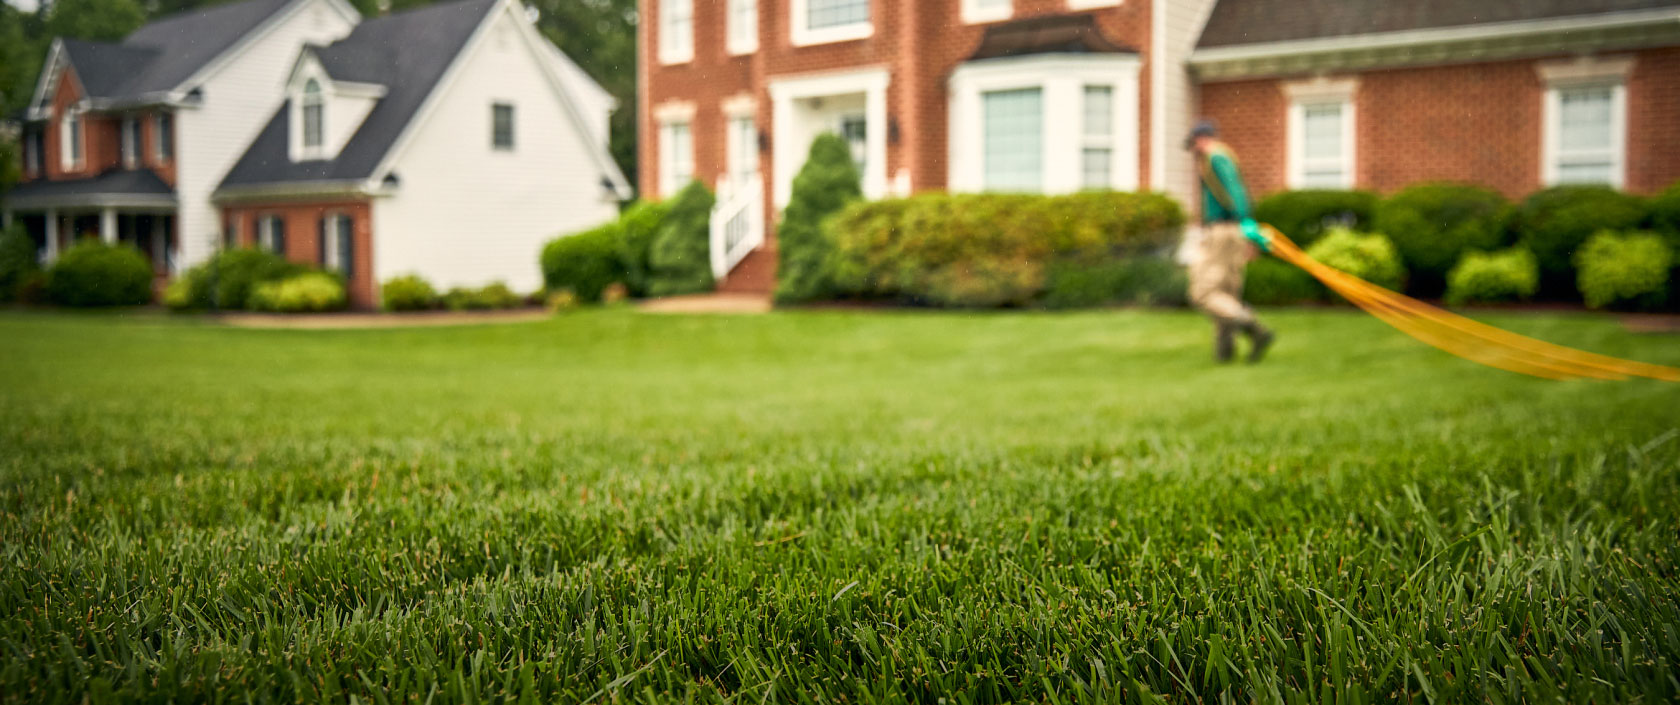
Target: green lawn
x,y
828,507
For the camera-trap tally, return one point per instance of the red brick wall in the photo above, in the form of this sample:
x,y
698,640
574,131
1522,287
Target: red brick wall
x,y
101,139
1479,123
303,237
920,42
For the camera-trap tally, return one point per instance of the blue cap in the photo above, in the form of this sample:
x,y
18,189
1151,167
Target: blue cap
x,y
1204,128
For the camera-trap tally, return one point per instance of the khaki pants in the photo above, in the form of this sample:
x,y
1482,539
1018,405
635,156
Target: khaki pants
x,y
1216,274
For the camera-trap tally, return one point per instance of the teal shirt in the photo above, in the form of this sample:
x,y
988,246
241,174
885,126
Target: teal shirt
x,y
1214,210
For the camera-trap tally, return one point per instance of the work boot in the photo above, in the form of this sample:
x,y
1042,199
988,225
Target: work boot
x,y
1260,338
1224,343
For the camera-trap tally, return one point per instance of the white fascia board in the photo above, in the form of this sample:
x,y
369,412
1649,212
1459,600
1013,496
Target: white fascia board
x,y
824,83
49,70
1437,36
273,22
294,189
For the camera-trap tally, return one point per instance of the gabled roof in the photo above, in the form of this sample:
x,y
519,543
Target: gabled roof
x,y
104,68
1242,22
408,53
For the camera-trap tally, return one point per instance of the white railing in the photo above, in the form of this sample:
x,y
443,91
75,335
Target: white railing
x,y
737,224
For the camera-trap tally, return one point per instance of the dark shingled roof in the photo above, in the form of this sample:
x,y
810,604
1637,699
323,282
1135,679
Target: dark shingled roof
x,y
139,182
1052,34
407,53
162,54
1236,22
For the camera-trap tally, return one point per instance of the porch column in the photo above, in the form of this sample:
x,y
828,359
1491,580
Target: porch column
x,y
108,225
160,253
875,140
52,235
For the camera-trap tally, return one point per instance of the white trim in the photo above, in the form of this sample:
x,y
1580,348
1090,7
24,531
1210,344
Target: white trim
x,y
72,159
1585,69
1432,37
130,141
670,52
1063,79
1089,4
741,42
158,131
1297,140
41,104
273,22
973,13
1321,89
801,33
1157,94
675,111
1552,115
787,157
739,105
670,157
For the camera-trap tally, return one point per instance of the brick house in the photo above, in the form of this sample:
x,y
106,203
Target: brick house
x,y
449,141
1059,95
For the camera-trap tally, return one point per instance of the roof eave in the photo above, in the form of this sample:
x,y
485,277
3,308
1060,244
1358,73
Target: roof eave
x,y
92,200
1475,43
296,190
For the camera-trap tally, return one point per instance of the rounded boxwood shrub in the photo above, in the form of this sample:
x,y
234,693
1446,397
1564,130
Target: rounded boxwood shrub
x,y
17,260
1553,223
1493,277
828,181
409,292
1432,225
640,224
1305,215
1624,270
586,263
1147,281
1368,256
680,258
309,292
1274,282
226,280
92,273
493,296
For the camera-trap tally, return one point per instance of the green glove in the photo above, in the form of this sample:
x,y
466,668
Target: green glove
x,y
1251,230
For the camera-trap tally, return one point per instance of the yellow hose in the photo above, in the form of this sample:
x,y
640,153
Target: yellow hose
x,y
1466,338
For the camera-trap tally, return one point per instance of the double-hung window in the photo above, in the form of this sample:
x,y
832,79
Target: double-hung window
x,y
337,243
1097,152
1013,142
271,234
743,26
743,149
1585,134
1321,134
314,118
676,31
975,11
821,21
163,136
501,126
130,142
676,156
70,140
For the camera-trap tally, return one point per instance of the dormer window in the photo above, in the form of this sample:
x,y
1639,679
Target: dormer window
x,y
313,107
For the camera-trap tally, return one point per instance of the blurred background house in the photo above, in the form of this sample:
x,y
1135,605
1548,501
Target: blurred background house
x,y
1055,96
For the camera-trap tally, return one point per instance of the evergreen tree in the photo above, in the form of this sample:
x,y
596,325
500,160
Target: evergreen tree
x,y
681,255
828,181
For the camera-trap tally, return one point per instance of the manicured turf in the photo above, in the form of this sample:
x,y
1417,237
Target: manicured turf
x,y
828,507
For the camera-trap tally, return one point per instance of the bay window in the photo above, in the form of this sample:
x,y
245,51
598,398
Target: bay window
x,y
1014,139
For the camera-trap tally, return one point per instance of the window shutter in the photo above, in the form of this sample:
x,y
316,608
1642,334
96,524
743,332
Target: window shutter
x,y
279,236
346,245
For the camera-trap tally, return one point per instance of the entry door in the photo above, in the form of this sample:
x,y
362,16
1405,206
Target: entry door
x,y
854,127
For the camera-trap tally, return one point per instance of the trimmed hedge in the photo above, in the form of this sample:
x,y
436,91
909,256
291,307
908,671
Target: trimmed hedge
x,y
226,280
680,257
828,181
1143,281
1306,215
490,297
92,273
586,263
17,260
1432,225
310,292
1368,256
638,226
1554,223
409,292
1624,270
1493,277
1269,281
982,250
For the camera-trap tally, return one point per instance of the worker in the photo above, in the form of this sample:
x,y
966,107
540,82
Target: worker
x,y
1228,241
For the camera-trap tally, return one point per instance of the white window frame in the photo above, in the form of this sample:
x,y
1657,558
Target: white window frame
x,y
163,133
300,151
975,13
265,232
743,160
1584,72
129,141
669,116
675,46
1089,4
513,126
743,35
1063,79
1321,91
72,145
803,35
340,227
1089,141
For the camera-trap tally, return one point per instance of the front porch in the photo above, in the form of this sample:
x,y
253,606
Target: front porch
x,y
117,207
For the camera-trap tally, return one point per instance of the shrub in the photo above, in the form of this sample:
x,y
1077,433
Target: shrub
x,y
828,181
1147,281
641,223
1624,270
32,288
17,260
1433,225
491,297
586,262
1554,222
226,280
1663,215
92,273
1492,277
409,292
309,292
1273,282
1307,214
680,258
1370,257
988,249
